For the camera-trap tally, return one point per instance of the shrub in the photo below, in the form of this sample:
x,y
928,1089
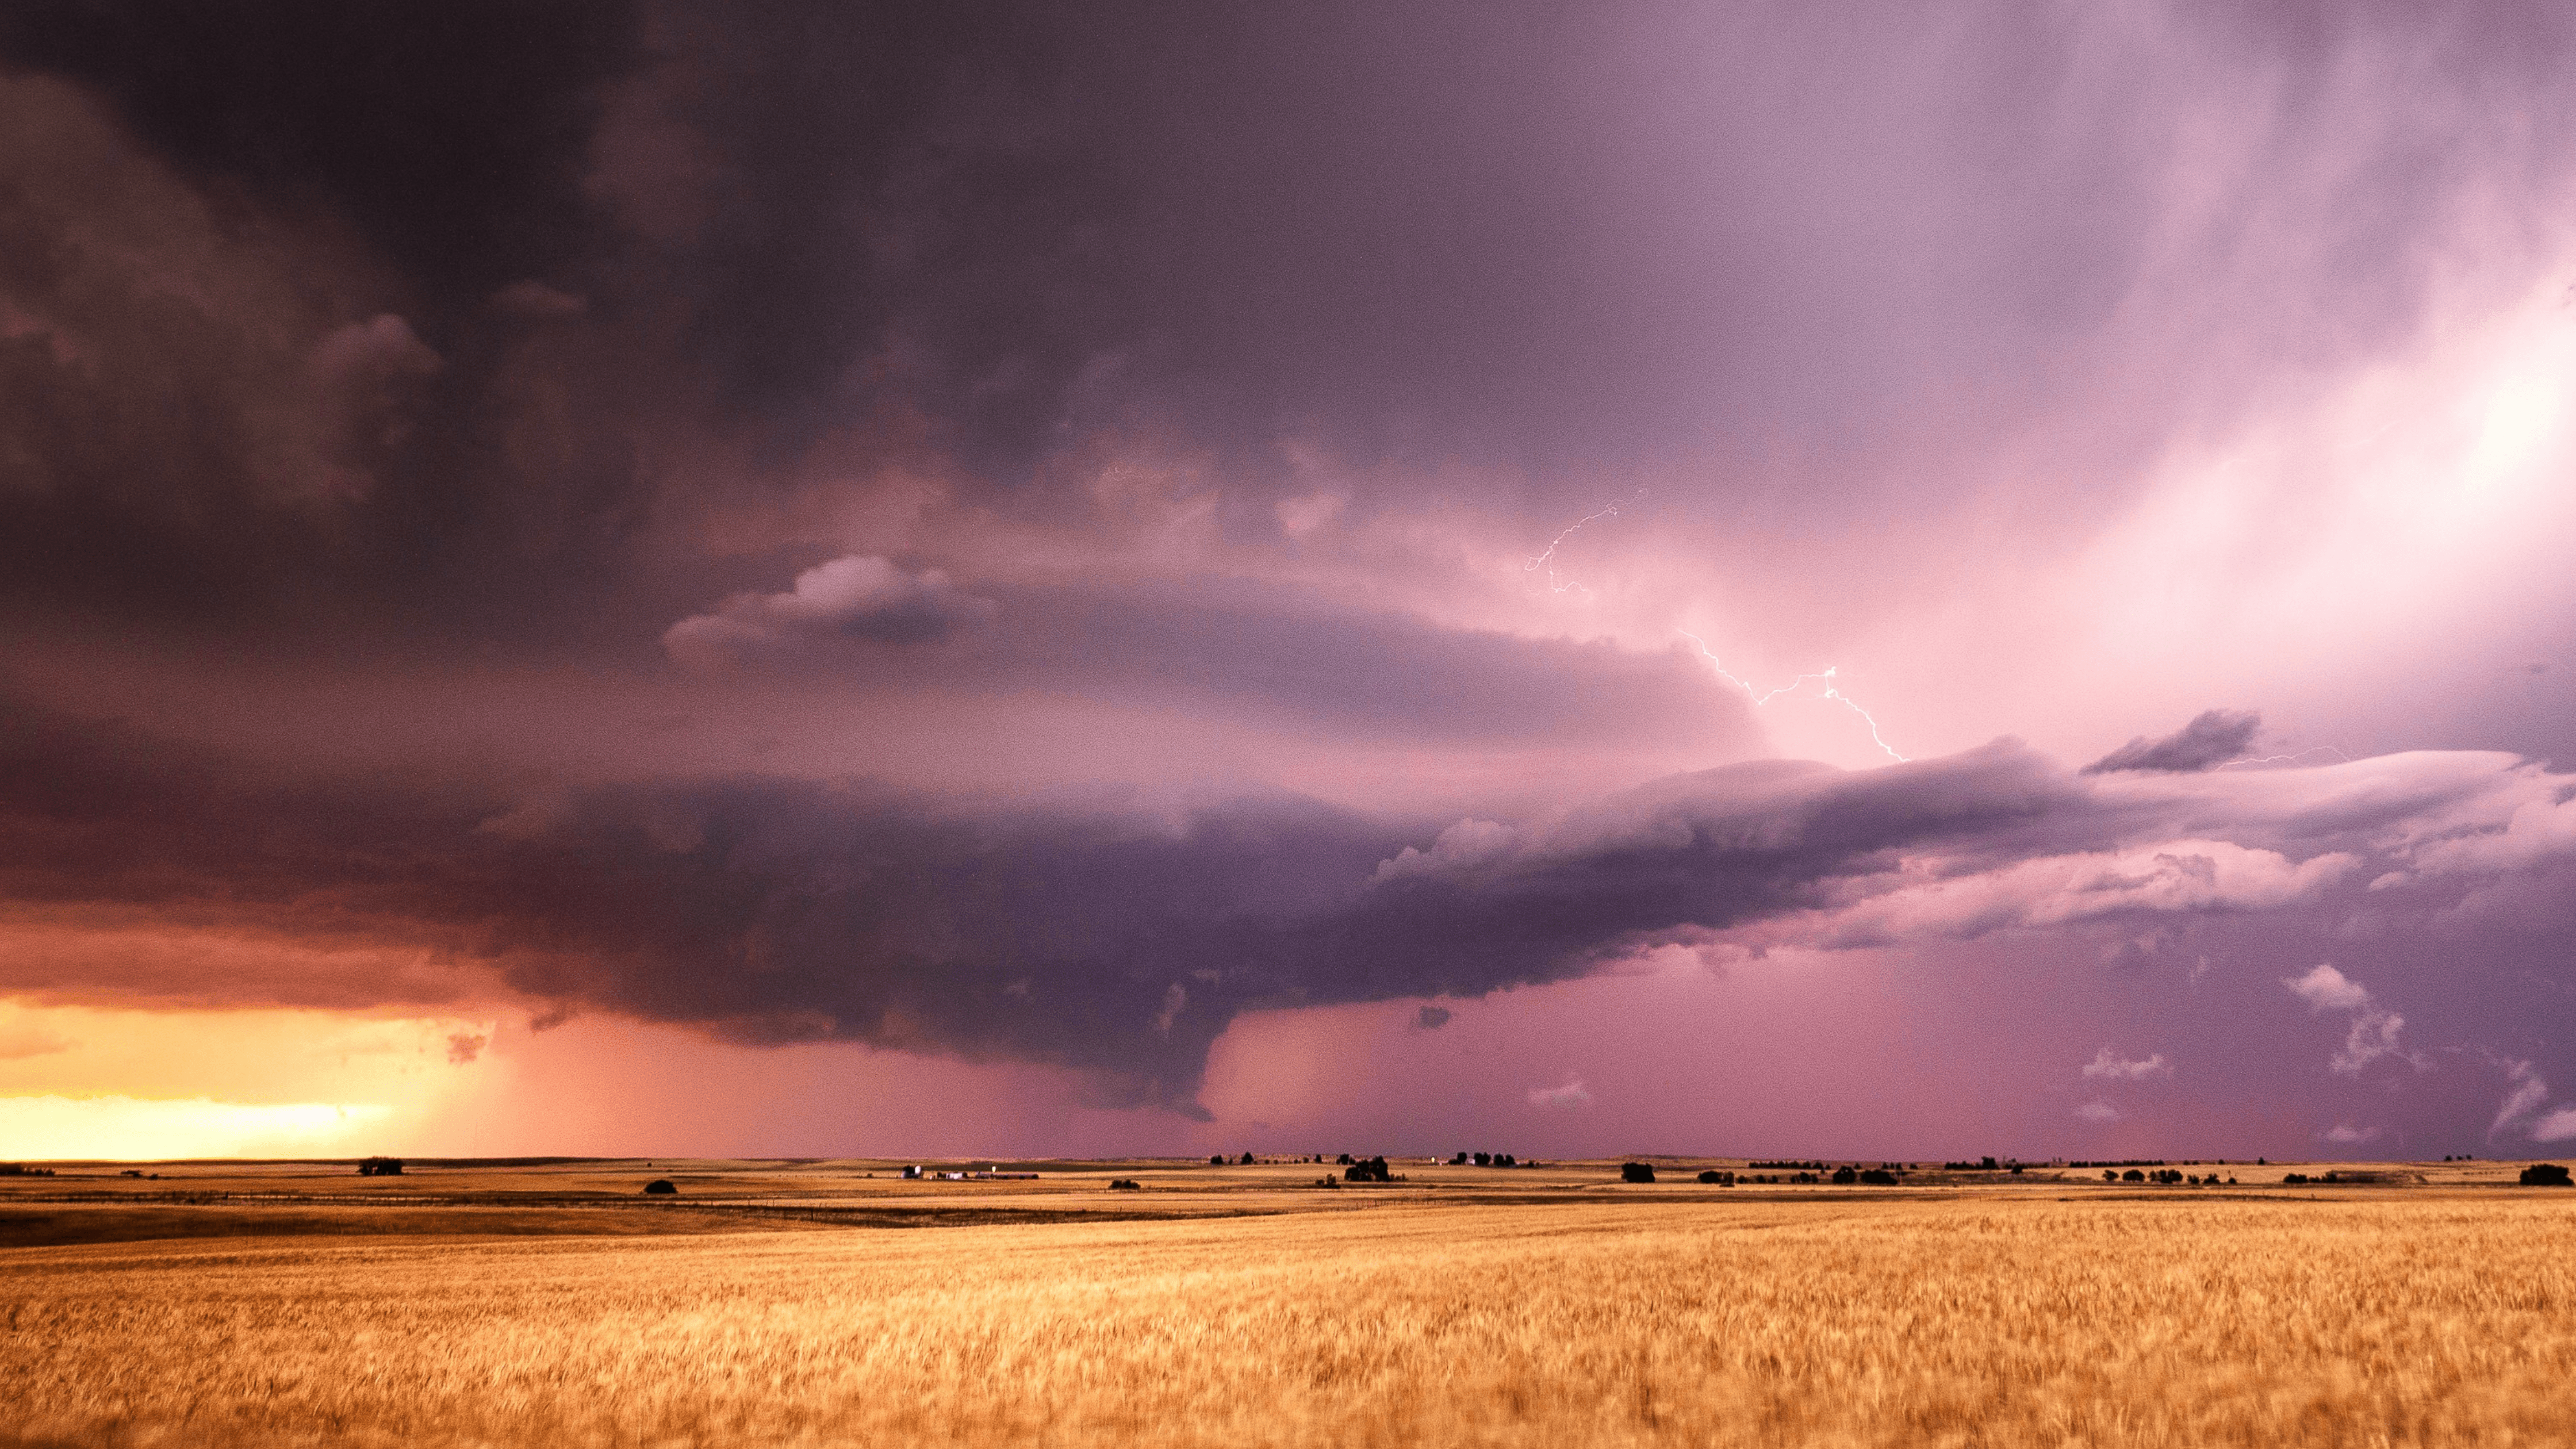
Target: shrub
x,y
1878,1177
1125,1184
1845,1177
660,1187
2546,1174
380,1167
1711,1177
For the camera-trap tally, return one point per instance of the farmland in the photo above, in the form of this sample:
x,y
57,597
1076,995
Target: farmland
x,y
774,1304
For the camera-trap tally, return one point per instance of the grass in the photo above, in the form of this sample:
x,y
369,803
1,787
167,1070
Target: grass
x,y
2029,1317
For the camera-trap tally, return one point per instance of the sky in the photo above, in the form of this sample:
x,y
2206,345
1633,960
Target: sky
x,y
799,579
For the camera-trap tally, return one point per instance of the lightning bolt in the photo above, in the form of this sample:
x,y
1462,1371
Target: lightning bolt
x,y
1832,691
2294,755
1555,585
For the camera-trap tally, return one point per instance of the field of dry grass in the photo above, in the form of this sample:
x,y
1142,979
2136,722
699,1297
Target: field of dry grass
x,y
2033,1317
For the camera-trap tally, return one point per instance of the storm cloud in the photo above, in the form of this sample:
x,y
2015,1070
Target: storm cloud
x,y
2213,738
1122,944
1048,537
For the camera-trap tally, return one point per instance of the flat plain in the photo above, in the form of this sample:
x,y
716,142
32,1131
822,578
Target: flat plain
x,y
548,1303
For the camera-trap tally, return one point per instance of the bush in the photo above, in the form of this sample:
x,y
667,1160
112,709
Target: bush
x,y
1125,1184
1878,1177
380,1167
1711,1177
1845,1177
2133,1175
2546,1174
1636,1172
660,1187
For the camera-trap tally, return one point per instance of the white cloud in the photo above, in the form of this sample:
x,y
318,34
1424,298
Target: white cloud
x,y
2119,1069
2558,1126
2373,1035
2350,1136
1566,1098
849,598
2326,989
2529,1091
2098,1112
2374,1027
1463,846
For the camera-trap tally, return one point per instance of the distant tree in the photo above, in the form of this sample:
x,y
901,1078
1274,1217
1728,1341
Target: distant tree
x,y
1373,1170
1711,1177
1458,1161
1484,1159
1878,1177
1504,1159
1216,1160
1247,1160
2133,1175
2546,1174
1342,1161
1636,1172
660,1187
380,1167
1125,1184
1845,1176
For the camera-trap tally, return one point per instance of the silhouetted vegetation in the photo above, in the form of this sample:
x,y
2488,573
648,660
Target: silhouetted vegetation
x,y
1711,1177
1373,1170
2546,1174
660,1187
1636,1172
381,1167
1846,1176
1983,1164
1125,1184
1878,1177
20,1169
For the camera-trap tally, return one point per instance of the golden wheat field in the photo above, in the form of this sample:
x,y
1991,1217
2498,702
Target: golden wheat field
x,y
2423,1317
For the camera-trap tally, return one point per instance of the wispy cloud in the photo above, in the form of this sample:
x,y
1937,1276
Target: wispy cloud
x,y
2109,1067
1566,1098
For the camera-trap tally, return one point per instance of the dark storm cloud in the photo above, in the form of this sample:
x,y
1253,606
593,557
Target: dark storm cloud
x,y
455,135
2213,738
1553,240
1119,944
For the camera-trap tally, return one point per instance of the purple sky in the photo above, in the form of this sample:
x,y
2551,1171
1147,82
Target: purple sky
x,y
807,579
